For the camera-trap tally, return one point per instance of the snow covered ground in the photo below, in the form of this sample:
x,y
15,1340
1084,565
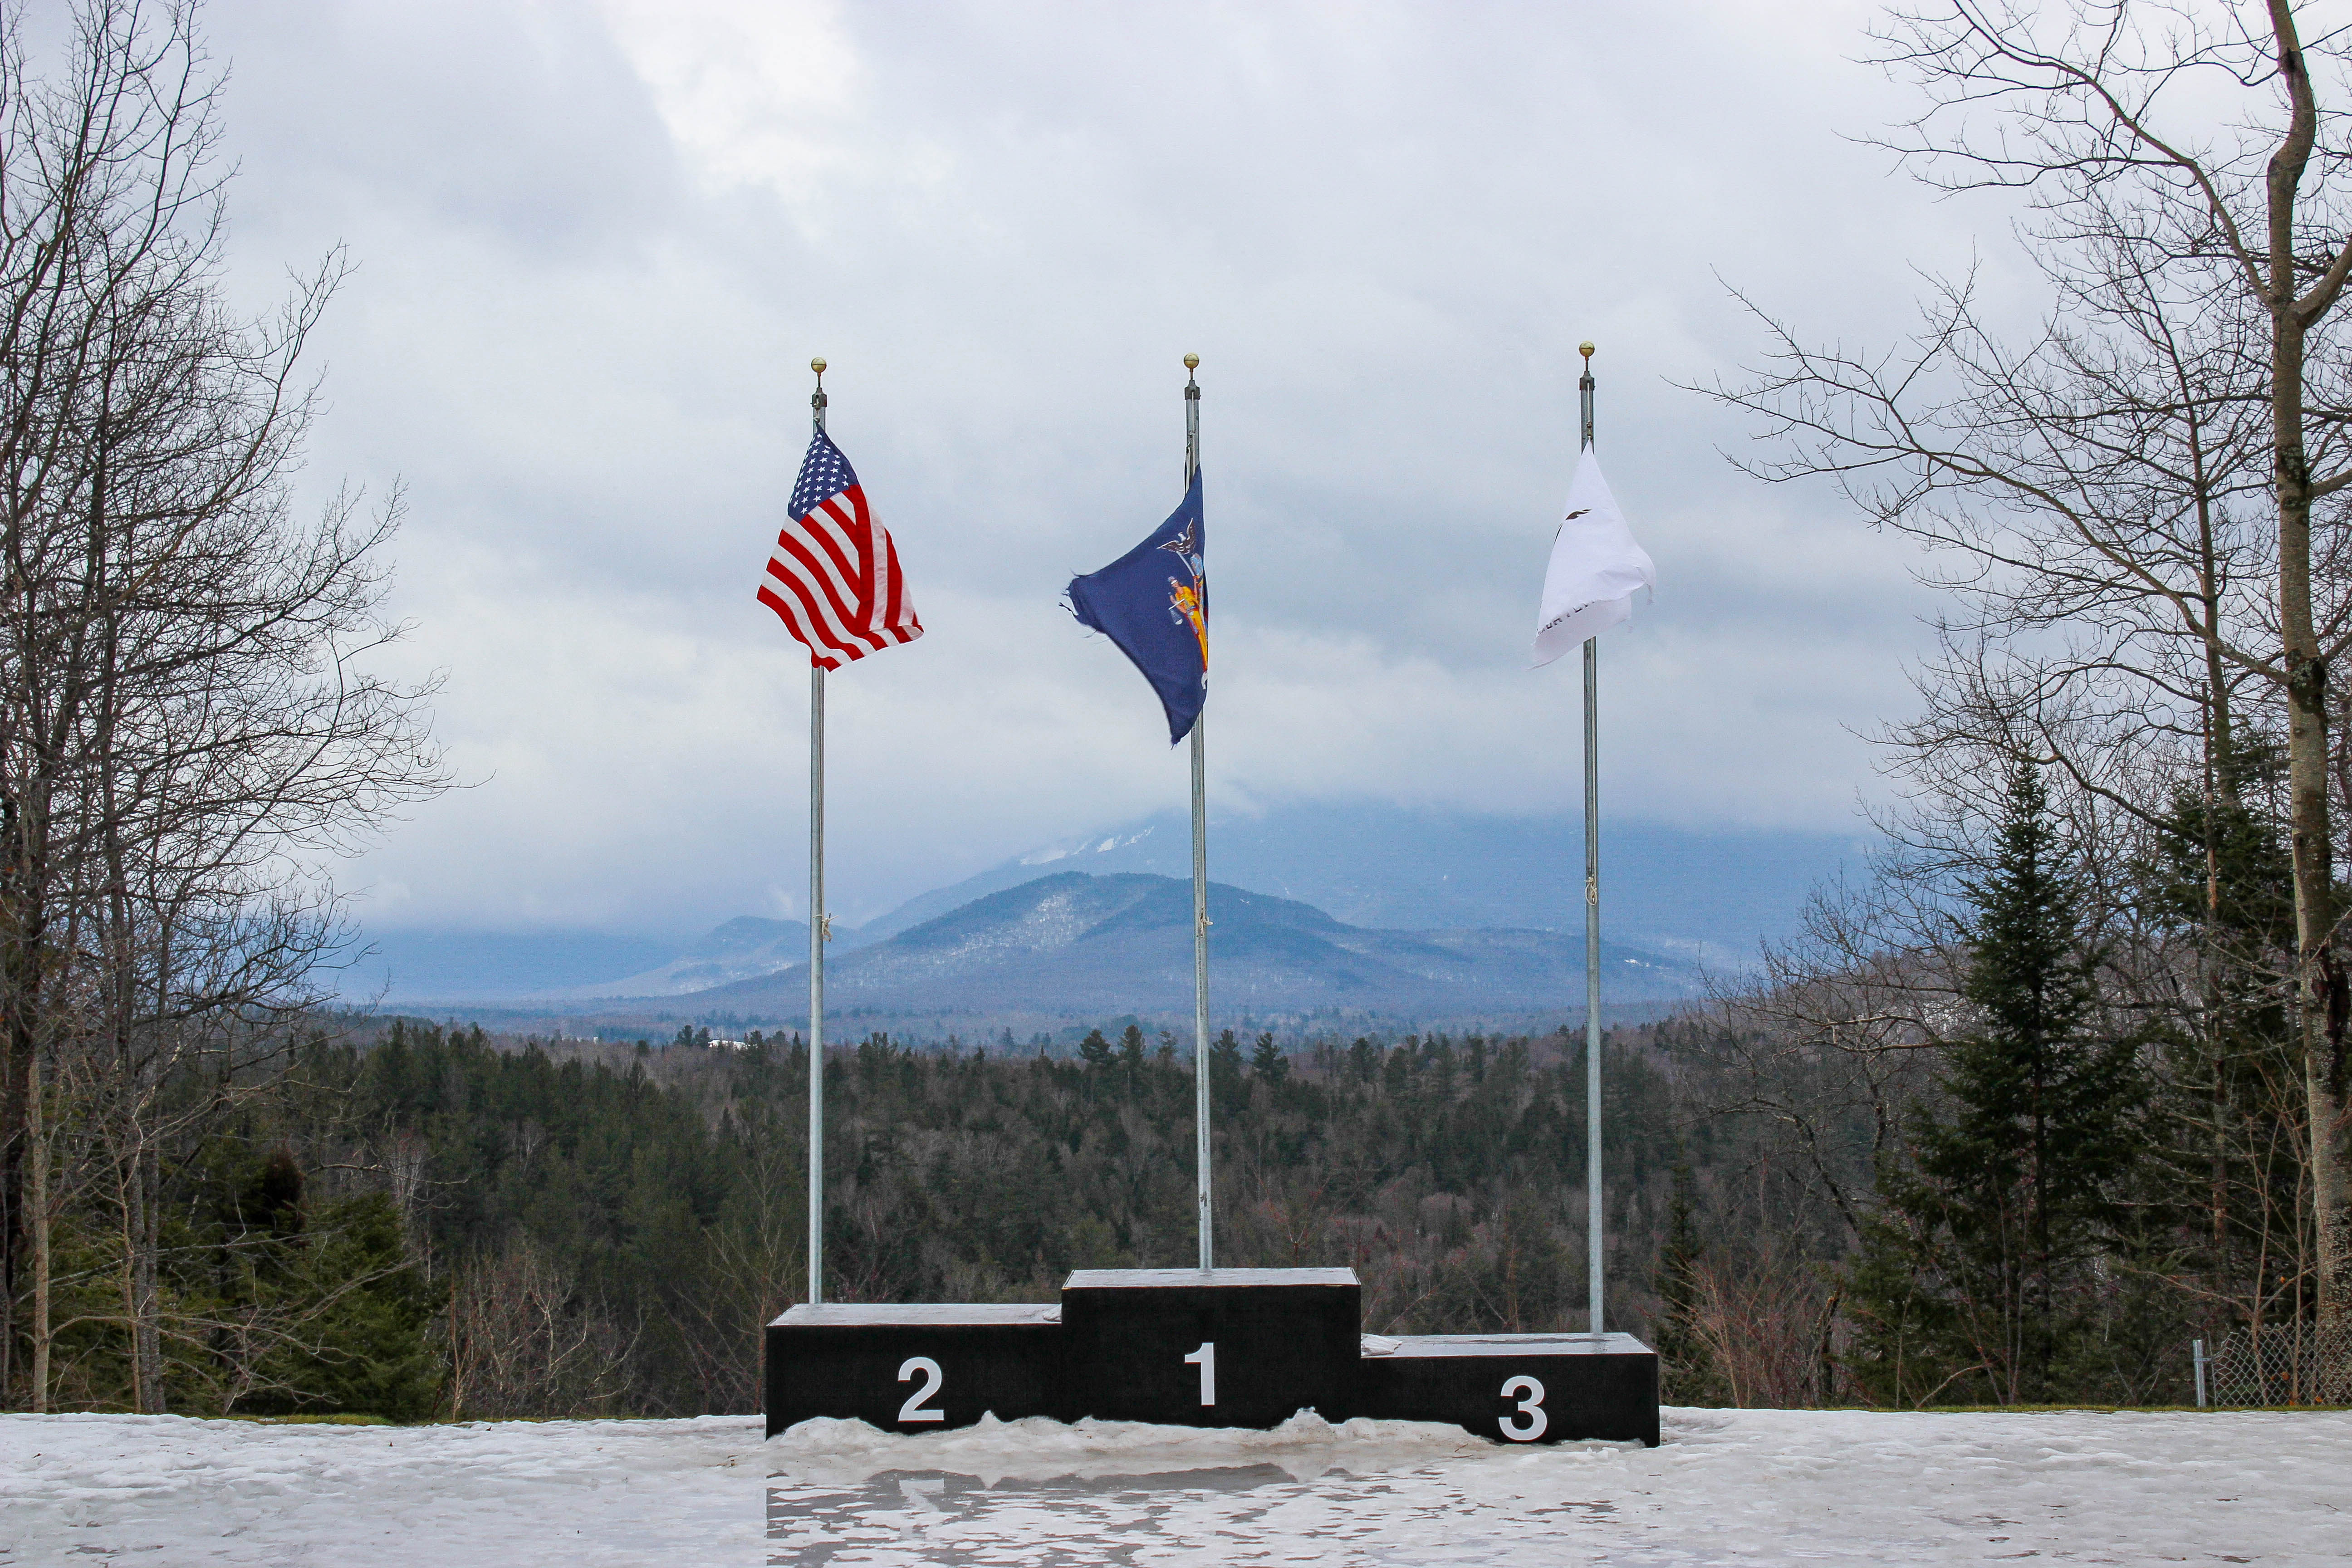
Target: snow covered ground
x,y
1728,1486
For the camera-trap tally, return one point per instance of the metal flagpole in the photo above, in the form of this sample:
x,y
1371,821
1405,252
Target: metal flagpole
x,y
818,921
1199,870
1594,1215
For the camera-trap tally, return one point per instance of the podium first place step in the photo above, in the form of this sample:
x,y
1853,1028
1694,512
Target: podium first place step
x,y
1225,1347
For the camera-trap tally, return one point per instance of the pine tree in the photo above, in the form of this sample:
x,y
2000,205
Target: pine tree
x,y
1268,1063
1131,1058
1096,1050
1225,1068
369,1353
2221,876
1978,1279
1687,1369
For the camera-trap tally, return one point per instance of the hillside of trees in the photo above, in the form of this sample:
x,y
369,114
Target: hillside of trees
x,y
422,1222
1995,1173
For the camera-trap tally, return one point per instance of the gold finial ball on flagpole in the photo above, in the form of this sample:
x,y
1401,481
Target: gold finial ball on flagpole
x,y
1585,349
1192,361
817,364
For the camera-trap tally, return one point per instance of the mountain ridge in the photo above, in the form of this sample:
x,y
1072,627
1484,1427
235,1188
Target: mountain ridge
x,y
1687,894
1073,942
1700,895
740,949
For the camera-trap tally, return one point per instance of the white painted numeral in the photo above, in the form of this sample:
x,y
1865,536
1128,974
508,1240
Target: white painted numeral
x,y
1530,1394
933,1380
1205,1358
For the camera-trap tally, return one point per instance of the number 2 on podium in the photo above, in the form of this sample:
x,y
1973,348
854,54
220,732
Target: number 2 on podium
x,y
933,1379
1205,1358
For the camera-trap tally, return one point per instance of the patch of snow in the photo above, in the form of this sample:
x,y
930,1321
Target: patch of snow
x,y
1038,1449
166,1491
1728,1486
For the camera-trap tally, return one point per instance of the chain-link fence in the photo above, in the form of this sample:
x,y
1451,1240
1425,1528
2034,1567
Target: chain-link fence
x,y
2279,1363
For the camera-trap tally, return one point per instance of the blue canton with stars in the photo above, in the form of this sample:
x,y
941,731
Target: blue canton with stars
x,y
824,474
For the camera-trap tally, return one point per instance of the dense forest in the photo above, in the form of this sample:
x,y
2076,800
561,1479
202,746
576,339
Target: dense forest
x,y
428,1222
1997,1172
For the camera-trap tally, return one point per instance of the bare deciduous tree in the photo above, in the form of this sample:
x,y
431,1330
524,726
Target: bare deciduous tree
x,y
2146,496
187,729
522,1342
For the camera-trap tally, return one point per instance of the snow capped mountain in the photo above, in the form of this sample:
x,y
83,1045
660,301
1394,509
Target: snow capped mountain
x,y
1074,849
1684,895
1696,895
1074,944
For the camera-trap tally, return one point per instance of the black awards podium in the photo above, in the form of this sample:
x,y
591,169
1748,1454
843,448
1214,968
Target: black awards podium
x,y
1189,1347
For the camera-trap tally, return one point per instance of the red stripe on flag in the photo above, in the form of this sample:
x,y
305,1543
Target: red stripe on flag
x,y
775,602
864,534
826,540
810,580
809,616
893,603
858,524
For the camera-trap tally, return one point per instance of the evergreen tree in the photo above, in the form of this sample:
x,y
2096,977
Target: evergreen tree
x,y
2221,874
316,1308
1096,1050
1225,1068
2221,863
1686,1371
1270,1064
1396,1077
1130,1058
1978,1281
367,1353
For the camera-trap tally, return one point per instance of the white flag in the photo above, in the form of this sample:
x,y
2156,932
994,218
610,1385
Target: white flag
x,y
1595,567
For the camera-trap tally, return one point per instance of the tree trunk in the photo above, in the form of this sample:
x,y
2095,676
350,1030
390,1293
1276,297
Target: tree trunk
x,y
38,1138
126,1189
146,1313
2320,984
2220,792
21,934
12,1187
2320,988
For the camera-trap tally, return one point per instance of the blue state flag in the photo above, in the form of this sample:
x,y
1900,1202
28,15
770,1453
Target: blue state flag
x,y
1153,602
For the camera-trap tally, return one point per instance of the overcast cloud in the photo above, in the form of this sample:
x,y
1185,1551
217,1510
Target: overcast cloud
x,y
598,245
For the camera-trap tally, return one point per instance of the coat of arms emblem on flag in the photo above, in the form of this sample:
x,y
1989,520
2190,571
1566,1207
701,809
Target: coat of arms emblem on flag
x,y
1153,602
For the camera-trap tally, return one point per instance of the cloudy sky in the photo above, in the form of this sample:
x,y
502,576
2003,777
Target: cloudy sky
x,y
598,243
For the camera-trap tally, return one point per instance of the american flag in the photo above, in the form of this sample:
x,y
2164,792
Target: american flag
x,y
833,578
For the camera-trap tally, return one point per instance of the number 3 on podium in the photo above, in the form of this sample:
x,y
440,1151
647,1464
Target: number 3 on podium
x,y
1530,1394
1205,1358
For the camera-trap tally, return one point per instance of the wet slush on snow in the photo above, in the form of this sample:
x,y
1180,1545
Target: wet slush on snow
x,y
1726,1487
